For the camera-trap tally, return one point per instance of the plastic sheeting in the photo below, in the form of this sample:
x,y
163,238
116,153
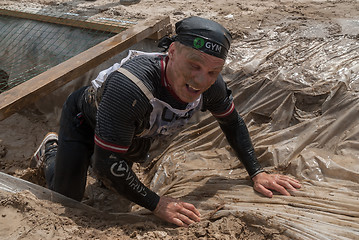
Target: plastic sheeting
x,y
300,99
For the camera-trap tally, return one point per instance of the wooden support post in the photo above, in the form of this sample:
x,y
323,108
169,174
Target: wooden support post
x,y
28,92
71,20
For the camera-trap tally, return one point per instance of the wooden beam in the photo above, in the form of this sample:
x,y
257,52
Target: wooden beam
x,y
71,20
28,92
166,30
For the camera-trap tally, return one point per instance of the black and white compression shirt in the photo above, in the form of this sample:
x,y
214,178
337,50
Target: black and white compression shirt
x,y
125,113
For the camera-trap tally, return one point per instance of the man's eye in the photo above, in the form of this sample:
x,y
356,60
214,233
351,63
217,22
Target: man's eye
x,y
194,66
211,73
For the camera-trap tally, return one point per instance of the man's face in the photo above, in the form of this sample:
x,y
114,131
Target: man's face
x,y
191,72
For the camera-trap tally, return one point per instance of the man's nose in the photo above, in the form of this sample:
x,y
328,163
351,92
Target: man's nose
x,y
200,79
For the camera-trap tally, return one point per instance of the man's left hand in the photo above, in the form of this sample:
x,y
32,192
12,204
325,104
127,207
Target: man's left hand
x,y
264,182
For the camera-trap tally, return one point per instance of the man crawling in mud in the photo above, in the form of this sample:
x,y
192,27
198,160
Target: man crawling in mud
x,y
112,123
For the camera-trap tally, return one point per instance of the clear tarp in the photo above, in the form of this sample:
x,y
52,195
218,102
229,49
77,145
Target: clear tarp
x,y
300,100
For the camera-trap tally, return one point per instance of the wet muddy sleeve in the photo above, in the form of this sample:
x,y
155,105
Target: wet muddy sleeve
x,y
238,137
116,173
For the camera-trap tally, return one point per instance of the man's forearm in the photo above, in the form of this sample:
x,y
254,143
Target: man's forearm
x,y
238,137
117,174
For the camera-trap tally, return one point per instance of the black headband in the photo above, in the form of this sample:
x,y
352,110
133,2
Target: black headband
x,y
205,45
202,34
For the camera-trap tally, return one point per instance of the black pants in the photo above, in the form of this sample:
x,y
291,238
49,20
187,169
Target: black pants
x,y
66,171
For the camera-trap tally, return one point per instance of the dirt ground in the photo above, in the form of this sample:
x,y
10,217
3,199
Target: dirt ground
x,y
24,216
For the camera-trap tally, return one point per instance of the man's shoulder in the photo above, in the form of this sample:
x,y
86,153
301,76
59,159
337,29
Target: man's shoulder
x,y
145,61
145,66
218,85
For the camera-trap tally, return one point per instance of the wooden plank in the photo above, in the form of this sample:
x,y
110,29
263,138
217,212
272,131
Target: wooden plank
x,y
166,30
28,92
71,20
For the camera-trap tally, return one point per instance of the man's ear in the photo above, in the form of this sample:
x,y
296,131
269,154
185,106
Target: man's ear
x,y
171,50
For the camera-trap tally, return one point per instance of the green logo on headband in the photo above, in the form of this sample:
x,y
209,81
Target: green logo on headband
x,y
198,42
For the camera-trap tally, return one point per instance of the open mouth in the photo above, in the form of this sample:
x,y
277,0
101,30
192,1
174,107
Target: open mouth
x,y
192,89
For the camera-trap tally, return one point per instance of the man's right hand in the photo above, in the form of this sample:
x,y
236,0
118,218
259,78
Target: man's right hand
x,y
174,211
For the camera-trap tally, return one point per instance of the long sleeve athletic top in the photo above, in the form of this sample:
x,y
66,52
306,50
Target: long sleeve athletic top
x,y
124,113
